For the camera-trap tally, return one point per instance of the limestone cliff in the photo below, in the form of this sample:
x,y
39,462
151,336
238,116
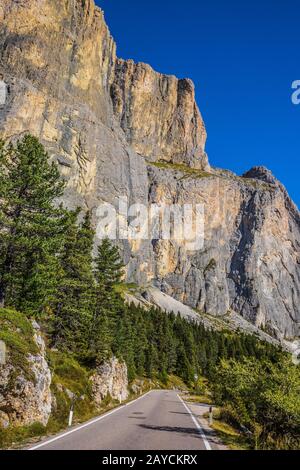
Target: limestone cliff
x,y
250,260
120,129
159,115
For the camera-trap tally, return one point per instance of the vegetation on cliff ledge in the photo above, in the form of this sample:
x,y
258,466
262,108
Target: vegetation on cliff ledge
x,y
187,171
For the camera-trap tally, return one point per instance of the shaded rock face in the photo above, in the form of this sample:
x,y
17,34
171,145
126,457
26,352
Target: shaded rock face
x,y
111,380
107,122
26,400
250,259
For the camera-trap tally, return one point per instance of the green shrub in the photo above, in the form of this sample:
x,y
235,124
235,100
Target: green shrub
x,y
262,396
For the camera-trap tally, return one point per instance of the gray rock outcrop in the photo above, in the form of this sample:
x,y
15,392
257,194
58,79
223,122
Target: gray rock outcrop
x,y
25,397
111,380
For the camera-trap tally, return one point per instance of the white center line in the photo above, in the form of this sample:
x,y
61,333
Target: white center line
x,y
201,432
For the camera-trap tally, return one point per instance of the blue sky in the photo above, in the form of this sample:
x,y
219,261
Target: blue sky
x,y
243,58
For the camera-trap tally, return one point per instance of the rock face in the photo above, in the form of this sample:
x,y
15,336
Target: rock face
x,y
120,129
26,400
250,259
110,379
159,115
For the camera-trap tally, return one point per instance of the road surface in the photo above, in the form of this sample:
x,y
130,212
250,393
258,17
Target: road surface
x,y
159,420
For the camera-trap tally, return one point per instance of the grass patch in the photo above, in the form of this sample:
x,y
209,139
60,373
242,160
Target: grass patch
x,y
189,172
230,436
69,373
233,438
205,398
174,382
17,333
126,288
69,376
16,436
219,323
182,168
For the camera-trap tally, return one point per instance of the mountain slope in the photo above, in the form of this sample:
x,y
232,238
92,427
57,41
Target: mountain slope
x,y
121,129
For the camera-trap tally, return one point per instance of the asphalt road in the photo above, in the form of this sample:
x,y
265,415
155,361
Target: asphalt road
x,y
159,420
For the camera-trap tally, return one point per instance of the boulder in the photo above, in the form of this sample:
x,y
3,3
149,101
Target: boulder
x,y
110,379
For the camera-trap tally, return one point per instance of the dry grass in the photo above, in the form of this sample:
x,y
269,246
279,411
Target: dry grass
x,y
230,436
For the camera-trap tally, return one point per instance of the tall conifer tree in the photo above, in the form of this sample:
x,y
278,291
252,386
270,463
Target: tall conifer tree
x,y
32,225
75,297
108,272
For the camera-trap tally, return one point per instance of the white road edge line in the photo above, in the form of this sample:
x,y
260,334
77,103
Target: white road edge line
x,y
43,444
201,432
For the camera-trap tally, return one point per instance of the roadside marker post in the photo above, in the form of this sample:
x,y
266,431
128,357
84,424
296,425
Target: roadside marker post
x,y
210,415
2,353
71,414
73,400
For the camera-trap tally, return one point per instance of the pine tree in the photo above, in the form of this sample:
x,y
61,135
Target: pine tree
x,y
152,360
124,343
31,226
108,272
109,267
139,319
101,336
75,297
